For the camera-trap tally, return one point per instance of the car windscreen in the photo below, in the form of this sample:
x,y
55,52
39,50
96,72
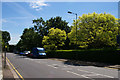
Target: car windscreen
x,y
41,51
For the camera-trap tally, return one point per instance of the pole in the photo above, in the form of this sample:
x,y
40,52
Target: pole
x,y
5,58
75,25
76,31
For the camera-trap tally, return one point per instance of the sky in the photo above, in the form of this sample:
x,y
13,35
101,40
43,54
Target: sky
x,y
16,16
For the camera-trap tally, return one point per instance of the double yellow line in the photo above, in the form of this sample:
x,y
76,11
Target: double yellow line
x,y
14,69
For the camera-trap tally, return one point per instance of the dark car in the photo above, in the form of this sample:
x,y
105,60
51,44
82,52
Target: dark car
x,y
16,52
38,52
21,53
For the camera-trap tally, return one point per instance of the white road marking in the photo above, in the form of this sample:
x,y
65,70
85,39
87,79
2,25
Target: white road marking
x,y
83,71
79,75
70,65
85,75
52,66
96,73
91,74
66,68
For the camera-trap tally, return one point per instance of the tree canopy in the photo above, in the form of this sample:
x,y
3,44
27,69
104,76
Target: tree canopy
x,y
95,30
29,39
42,26
55,39
4,38
33,36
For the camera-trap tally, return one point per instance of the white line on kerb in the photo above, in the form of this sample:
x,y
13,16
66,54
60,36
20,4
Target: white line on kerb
x,y
96,73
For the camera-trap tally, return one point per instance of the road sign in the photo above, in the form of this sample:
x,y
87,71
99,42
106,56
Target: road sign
x,y
5,46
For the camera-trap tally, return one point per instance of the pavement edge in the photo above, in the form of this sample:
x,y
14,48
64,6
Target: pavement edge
x,y
12,70
16,74
1,72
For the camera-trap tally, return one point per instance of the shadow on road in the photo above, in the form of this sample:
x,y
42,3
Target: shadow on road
x,y
85,63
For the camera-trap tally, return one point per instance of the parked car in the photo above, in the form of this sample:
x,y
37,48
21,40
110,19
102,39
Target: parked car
x,y
16,52
26,53
38,52
21,53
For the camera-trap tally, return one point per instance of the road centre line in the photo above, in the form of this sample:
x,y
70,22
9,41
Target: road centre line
x,y
14,69
91,74
79,75
52,66
66,68
84,71
96,73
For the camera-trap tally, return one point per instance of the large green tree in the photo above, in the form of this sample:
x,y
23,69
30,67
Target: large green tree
x,y
55,39
95,30
57,22
42,26
29,39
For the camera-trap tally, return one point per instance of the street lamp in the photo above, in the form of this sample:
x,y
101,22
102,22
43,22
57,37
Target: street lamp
x,y
76,25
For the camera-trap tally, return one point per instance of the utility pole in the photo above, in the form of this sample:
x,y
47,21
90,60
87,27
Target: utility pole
x,y
75,25
5,57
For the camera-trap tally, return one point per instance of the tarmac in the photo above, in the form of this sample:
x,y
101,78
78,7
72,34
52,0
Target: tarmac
x,y
8,72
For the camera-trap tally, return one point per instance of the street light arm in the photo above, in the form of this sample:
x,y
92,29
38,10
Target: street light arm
x,y
69,12
72,12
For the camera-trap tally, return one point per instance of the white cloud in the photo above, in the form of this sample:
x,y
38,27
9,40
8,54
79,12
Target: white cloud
x,y
4,20
38,5
14,39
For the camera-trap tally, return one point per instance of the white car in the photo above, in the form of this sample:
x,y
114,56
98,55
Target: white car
x,y
26,52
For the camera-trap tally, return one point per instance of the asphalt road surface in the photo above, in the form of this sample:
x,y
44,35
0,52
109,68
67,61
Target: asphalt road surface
x,y
48,68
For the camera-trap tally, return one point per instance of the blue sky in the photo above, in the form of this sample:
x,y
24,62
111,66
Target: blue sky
x,y
19,15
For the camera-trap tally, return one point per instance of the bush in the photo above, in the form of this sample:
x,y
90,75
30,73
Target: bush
x,y
95,55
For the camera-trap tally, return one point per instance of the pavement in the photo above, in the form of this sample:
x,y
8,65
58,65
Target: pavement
x,y
7,71
58,68
1,74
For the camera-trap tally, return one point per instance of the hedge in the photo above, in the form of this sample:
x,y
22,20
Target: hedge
x,y
95,55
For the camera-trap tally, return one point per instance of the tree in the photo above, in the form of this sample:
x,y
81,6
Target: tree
x,y
57,22
55,39
42,26
4,38
95,30
29,39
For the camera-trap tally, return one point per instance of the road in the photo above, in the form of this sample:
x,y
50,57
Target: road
x,y
48,68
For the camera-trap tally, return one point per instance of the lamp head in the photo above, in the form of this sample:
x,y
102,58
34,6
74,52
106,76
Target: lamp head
x,y
69,12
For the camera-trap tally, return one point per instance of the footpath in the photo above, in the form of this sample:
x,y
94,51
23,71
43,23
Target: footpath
x,y
1,74
7,73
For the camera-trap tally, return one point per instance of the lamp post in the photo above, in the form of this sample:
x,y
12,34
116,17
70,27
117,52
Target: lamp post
x,y
5,57
75,25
